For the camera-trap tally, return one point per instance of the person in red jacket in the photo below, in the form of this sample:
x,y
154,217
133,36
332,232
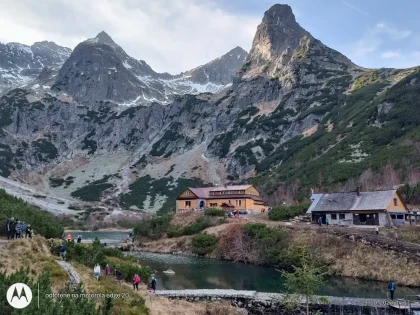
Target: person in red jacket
x,y
136,282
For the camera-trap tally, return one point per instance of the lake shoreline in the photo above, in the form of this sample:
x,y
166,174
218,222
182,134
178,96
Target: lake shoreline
x,y
100,230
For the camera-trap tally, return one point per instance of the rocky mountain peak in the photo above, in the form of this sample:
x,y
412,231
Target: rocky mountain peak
x,y
104,38
278,34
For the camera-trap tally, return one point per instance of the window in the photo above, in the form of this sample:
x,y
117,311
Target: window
x,y
393,216
213,204
188,203
238,203
395,202
341,216
187,193
334,216
400,217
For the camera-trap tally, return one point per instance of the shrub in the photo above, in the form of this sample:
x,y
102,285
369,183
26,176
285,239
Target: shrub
x,y
42,222
213,212
42,286
199,225
279,213
129,269
153,228
203,243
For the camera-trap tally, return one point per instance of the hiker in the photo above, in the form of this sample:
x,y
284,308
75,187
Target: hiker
x,y
327,221
391,288
68,237
396,237
63,251
97,271
320,221
79,238
153,285
11,228
22,228
107,270
18,229
118,274
28,231
136,282
377,229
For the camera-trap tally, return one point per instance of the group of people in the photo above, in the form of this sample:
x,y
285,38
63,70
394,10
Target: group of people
x,y
17,229
327,221
118,275
79,238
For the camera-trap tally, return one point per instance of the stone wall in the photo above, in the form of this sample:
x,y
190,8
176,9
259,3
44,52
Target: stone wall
x,y
271,303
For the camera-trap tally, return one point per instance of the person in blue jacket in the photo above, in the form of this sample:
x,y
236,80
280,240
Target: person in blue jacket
x,y
391,288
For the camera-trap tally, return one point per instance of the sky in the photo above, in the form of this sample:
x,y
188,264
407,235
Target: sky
x,y
178,35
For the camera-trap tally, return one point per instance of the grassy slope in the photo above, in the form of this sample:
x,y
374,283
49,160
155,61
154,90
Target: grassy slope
x,y
35,254
318,160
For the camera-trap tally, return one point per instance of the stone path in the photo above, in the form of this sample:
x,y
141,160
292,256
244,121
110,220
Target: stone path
x,y
73,275
262,297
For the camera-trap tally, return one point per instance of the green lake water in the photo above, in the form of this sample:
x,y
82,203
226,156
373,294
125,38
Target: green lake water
x,y
201,273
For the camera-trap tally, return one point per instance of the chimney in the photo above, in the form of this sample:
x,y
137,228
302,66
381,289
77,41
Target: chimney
x,y
358,191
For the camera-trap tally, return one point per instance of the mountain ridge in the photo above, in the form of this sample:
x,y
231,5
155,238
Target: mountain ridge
x,y
297,115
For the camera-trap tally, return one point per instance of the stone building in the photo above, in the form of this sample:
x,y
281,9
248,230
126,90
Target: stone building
x,y
382,208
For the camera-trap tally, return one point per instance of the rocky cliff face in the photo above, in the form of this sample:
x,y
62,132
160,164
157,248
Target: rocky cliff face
x,y
21,64
297,115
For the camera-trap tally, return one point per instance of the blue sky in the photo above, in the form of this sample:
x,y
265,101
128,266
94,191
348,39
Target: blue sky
x,y
373,33
178,35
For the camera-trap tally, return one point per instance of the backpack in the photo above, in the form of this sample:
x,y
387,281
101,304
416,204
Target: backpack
x,y
391,286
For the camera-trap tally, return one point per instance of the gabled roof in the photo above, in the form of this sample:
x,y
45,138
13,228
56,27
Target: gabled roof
x,y
201,192
349,201
315,199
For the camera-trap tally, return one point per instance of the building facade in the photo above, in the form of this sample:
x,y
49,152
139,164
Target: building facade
x,y
240,197
382,208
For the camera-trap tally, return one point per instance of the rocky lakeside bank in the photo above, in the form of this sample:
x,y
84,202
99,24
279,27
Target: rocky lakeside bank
x,y
271,303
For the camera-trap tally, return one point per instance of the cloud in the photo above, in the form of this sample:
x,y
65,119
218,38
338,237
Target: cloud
x,y
171,36
390,54
354,7
375,37
393,32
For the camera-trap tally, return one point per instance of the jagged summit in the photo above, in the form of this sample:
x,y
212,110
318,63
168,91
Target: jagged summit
x,y
104,38
278,34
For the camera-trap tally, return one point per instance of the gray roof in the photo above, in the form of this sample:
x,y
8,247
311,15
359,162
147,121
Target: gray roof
x,y
349,201
315,199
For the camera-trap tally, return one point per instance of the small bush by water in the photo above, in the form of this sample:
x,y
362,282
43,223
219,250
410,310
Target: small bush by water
x,y
203,243
153,228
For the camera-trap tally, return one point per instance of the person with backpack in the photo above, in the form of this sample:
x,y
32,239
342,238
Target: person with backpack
x,y
11,228
136,282
63,251
391,288
79,238
18,229
320,221
28,231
